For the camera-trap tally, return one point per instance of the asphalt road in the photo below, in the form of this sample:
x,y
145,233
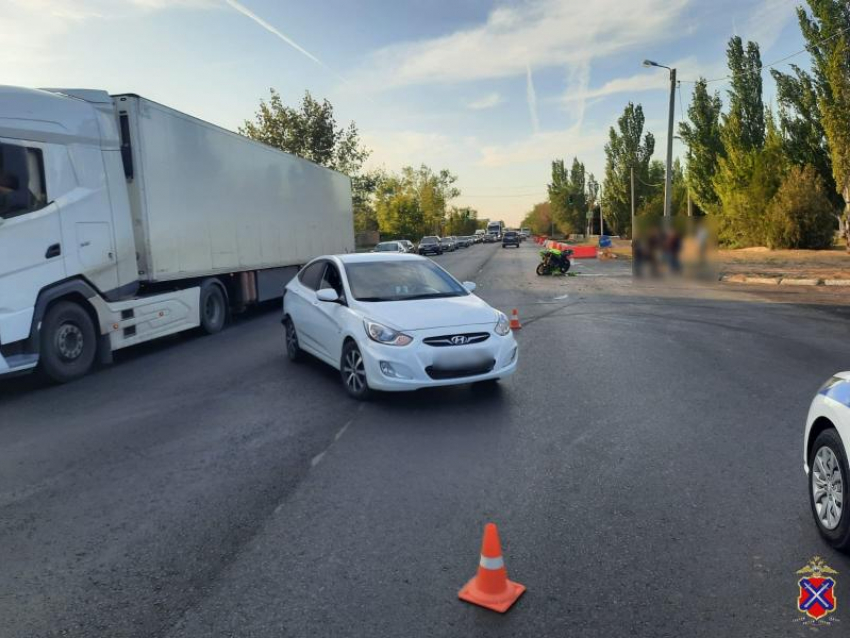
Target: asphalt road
x,y
643,466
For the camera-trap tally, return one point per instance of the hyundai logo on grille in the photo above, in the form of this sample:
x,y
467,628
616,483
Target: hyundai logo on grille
x,y
457,340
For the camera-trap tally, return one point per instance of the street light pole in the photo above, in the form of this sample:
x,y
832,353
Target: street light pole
x,y
668,182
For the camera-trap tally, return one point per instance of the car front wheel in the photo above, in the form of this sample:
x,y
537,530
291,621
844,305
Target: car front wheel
x,y
828,476
293,349
353,371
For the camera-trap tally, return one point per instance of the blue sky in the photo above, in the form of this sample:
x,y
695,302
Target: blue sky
x,y
491,90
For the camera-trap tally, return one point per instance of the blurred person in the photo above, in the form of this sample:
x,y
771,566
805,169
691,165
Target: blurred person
x,y
673,250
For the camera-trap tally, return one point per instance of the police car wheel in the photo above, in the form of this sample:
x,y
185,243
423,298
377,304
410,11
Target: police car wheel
x,y
829,489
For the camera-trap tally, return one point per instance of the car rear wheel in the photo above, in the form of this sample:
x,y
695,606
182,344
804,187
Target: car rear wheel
x,y
828,488
353,371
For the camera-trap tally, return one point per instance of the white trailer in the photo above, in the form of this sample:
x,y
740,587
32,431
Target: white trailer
x,y
122,220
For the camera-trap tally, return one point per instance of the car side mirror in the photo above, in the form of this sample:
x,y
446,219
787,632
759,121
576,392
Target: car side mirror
x,y
470,286
327,294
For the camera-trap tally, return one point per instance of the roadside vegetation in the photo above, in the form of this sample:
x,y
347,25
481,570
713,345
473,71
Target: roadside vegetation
x,y
408,204
761,176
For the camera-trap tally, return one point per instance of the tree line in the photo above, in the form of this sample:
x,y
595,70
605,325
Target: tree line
x,y
409,204
761,177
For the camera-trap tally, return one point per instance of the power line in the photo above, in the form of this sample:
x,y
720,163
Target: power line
x,y
770,65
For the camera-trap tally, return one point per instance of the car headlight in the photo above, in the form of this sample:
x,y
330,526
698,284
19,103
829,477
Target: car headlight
x,y
383,334
503,325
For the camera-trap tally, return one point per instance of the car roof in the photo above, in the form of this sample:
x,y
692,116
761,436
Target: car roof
x,y
356,258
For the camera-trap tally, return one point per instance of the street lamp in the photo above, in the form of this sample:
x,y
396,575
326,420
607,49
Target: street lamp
x,y
668,182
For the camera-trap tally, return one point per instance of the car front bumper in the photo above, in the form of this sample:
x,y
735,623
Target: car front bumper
x,y
410,363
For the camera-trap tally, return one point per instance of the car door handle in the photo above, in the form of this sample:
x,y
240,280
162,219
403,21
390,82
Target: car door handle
x,y
53,250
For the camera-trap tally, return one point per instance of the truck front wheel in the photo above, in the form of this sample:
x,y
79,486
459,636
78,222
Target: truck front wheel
x,y
68,342
213,308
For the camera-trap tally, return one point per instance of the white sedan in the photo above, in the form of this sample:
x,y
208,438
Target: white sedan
x,y
395,322
825,459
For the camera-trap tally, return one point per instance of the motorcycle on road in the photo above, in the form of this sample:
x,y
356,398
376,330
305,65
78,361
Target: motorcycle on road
x,y
553,260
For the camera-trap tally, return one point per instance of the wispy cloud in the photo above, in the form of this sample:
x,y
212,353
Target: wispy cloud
x,y
487,102
539,33
767,22
531,98
544,146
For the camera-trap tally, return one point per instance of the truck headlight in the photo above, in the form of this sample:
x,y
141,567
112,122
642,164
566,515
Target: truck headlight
x,y
386,335
503,325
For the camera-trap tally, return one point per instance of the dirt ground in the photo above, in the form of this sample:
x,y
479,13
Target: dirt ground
x,y
760,261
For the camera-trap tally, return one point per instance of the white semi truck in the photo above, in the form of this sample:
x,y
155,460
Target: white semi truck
x,y
122,220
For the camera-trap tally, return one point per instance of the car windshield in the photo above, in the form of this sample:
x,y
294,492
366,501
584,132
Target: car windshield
x,y
429,240
401,281
389,246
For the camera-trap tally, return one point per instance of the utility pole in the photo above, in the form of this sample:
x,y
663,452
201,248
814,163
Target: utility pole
x,y
601,227
633,202
668,182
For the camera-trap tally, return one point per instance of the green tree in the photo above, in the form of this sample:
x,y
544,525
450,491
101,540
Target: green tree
x,y
746,181
827,32
753,163
746,107
413,203
702,137
800,215
568,195
802,126
309,131
461,221
627,147
539,219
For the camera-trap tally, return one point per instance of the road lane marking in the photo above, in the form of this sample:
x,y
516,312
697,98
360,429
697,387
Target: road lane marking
x,y
342,430
317,459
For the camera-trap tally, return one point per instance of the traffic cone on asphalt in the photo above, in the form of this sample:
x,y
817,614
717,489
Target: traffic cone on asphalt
x,y
491,588
515,324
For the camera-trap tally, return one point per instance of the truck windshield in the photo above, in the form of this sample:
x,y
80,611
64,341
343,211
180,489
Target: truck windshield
x,y
21,180
401,281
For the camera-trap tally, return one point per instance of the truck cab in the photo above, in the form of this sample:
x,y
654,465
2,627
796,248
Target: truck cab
x,y
65,229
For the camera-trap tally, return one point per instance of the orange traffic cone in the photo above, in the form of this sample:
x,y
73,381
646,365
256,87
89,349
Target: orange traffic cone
x,y
491,588
515,325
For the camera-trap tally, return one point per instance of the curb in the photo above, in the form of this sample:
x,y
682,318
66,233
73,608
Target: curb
x,y
783,281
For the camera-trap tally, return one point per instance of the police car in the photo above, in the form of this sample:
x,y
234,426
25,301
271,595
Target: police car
x,y
825,459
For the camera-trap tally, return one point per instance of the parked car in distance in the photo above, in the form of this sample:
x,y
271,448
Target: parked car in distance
x,y
394,323
510,238
479,235
408,245
430,245
448,244
461,242
490,238
826,462
389,247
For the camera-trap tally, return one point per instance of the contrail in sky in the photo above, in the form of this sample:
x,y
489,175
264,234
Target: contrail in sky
x,y
531,97
268,27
